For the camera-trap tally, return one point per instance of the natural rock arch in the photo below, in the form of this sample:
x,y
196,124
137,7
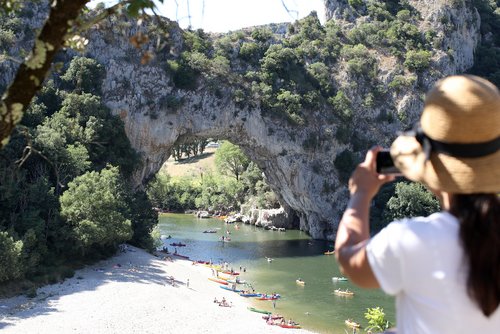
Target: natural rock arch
x,y
298,161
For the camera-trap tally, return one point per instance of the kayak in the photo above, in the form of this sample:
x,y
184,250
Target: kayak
x,y
253,309
337,279
241,281
228,288
352,324
289,326
268,297
178,244
329,252
343,292
250,294
273,317
218,280
228,272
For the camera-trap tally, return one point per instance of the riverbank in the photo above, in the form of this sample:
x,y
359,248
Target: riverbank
x,y
132,292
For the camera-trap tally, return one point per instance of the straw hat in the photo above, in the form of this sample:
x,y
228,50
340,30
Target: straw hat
x,y
457,147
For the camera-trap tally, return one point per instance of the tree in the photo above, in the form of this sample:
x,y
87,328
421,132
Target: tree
x,y
94,207
231,160
84,75
63,24
10,257
410,200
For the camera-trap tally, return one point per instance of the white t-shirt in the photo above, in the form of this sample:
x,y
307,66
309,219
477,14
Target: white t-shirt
x,y
421,262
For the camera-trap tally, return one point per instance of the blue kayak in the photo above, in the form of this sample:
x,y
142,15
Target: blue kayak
x,y
228,288
250,294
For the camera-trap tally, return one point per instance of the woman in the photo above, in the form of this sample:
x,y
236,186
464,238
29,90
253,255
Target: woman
x,y
444,269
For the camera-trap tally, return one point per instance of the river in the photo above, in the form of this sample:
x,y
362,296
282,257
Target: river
x,y
293,254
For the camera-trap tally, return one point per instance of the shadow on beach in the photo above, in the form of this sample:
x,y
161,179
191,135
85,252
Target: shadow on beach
x,y
132,265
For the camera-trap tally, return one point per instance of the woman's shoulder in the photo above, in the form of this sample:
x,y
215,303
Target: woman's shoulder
x,y
435,224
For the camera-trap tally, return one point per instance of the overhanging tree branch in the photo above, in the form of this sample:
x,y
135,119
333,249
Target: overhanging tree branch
x,y
32,72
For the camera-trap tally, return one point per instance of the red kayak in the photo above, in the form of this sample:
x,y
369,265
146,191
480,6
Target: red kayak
x,y
228,272
218,280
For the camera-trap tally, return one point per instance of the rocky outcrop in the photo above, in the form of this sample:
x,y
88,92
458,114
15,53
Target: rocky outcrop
x,y
298,161
303,175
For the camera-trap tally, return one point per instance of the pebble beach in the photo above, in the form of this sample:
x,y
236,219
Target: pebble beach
x,y
134,292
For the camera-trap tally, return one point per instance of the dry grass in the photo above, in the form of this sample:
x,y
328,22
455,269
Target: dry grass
x,y
191,167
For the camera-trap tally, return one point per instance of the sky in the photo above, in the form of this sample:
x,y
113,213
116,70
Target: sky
x,y
228,15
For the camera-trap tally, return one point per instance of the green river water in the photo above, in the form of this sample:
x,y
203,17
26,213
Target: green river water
x,y
294,254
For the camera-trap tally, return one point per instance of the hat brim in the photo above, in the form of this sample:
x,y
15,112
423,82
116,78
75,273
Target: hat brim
x,y
444,172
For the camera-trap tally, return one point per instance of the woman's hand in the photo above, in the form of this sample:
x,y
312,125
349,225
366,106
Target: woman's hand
x,y
365,180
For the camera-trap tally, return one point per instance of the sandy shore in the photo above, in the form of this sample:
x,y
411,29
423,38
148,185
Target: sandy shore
x,y
131,293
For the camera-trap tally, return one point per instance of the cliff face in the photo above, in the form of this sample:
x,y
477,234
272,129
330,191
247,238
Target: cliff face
x,y
303,164
303,175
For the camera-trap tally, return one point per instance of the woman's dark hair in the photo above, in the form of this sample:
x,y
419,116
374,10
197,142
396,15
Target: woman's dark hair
x,y
479,216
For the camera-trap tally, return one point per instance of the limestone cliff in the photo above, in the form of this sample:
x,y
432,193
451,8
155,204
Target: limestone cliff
x,y
306,164
303,175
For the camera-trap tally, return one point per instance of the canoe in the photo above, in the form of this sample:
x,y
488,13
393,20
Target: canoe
x,y
343,292
253,309
352,324
268,297
300,282
338,279
289,326
329,252
218,280
250,294
228,288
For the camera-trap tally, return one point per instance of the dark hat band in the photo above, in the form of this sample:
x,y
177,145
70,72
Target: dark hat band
x,y
458,150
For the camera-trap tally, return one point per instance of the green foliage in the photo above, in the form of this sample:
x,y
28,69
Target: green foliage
x,y
417,60
410,200
171,195
197,41
376,320
345,162
184,77
356,3
10,258
401,81
84,75
262,34
359,60
249,51
144,220
94,209
230,160
342,105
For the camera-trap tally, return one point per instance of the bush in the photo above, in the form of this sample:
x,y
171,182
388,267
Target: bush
x,y
249,51
11,266
417,60
341,105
